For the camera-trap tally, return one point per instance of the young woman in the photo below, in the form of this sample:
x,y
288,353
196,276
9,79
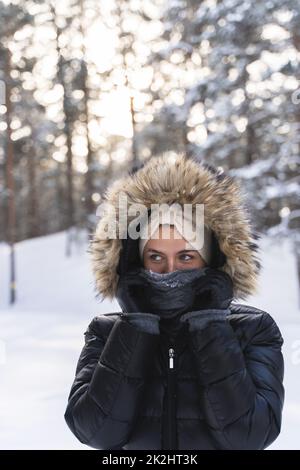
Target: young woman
x,y
183,366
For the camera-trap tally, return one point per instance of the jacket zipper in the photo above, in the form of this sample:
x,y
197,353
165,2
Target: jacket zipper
x,y
171,358
171,405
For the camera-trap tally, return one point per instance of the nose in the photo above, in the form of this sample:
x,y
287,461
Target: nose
x,y
170,265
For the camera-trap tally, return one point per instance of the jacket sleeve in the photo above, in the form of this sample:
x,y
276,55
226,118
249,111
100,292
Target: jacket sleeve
x,y
109,381
242,390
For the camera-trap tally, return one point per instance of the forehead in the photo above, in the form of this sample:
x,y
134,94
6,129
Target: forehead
x,y
175,242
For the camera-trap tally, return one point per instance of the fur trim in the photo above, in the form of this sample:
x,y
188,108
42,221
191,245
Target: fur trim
x,y
182,179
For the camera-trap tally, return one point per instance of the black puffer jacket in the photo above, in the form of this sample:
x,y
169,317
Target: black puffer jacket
x,y
227,380
219,386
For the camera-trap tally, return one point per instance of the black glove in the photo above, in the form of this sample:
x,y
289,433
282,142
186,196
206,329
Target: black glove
x,y
213,295
200,319
213,290
147,322
129,293
132,301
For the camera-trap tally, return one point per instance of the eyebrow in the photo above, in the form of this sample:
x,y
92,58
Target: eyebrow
x,y
161,253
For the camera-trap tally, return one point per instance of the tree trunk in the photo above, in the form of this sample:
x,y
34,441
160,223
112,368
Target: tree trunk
x,y
11,217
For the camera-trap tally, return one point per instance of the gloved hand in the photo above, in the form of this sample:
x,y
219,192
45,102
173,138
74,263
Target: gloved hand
x,y
130,288
213,295
147,322
199,319
131,299
129,292
214,290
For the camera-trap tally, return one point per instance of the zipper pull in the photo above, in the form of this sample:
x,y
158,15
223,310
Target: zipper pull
x,y
171,358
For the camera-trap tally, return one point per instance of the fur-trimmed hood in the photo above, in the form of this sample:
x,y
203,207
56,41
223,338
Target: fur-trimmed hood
x,y
184,180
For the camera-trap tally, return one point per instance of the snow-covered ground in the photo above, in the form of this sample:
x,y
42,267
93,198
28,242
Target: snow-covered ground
x,y
42,335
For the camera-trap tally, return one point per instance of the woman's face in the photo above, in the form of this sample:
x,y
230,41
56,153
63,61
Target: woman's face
x,y
165,255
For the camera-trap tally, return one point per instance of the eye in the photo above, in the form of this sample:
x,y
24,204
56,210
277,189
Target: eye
x,y
154,257
189,257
